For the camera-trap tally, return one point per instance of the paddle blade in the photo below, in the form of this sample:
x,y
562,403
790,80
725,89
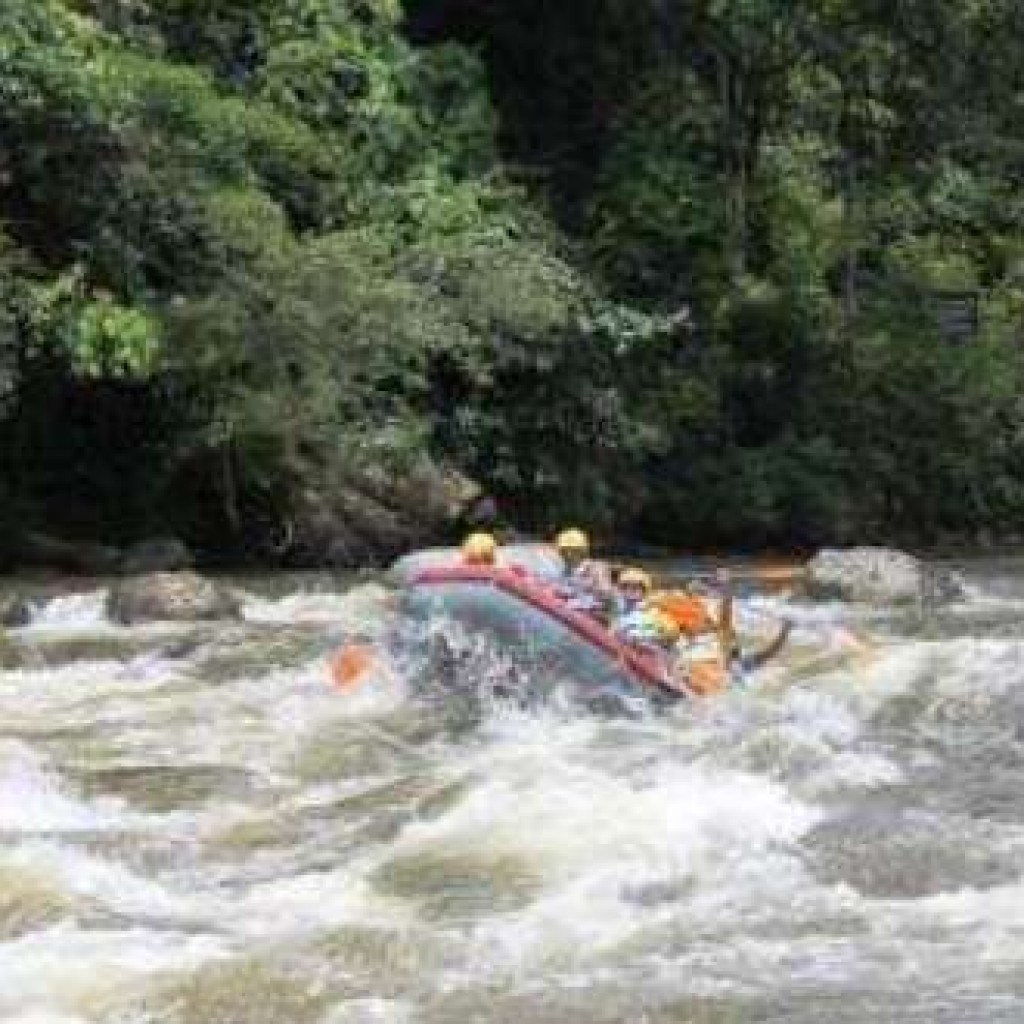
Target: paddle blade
x,y
706,678
847,640
350,665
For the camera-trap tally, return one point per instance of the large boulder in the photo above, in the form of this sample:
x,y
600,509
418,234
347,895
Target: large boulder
x,y
158,554
338,529
170,596
879,576
371,516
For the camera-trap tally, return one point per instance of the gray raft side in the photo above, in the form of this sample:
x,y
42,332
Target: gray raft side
x,y
538,559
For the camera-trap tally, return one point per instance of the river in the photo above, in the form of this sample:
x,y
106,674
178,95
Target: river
x,y
197,830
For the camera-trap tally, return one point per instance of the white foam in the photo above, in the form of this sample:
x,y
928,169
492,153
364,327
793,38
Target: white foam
x,y
593,829
31,799
312,902
677,836
370,1011
982,928
72,612
62,969
54,692
44,1017
354,608
99,882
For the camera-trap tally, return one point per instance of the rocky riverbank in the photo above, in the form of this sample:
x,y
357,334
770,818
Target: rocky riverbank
x,y
366,521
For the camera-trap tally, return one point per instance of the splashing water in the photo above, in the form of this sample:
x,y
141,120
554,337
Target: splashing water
x,y
201,830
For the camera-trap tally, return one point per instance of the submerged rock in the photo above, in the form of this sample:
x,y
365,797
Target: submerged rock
x,y
872,575
900,853
158,554
170,596
15,611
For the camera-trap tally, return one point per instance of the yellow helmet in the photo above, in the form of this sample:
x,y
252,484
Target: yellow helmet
x,y
572,539
479,549
634,577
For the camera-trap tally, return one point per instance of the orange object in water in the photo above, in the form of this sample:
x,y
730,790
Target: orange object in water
x,y
690,613
350,664
707,677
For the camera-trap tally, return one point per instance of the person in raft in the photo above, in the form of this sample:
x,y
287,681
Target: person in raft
x,y
698,641
709,654
586,583
480,548
637,620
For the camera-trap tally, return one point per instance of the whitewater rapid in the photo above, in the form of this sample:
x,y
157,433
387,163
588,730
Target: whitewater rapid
x,y
196,828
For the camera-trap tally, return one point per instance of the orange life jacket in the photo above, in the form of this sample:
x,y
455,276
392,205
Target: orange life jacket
x,y
689,612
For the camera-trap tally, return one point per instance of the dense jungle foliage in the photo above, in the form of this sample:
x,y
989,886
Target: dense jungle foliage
x,y
680,270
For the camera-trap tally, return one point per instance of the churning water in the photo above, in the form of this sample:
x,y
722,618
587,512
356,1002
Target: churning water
x,y
196,829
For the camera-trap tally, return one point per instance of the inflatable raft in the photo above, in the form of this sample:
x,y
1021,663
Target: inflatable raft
x,y
449,613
